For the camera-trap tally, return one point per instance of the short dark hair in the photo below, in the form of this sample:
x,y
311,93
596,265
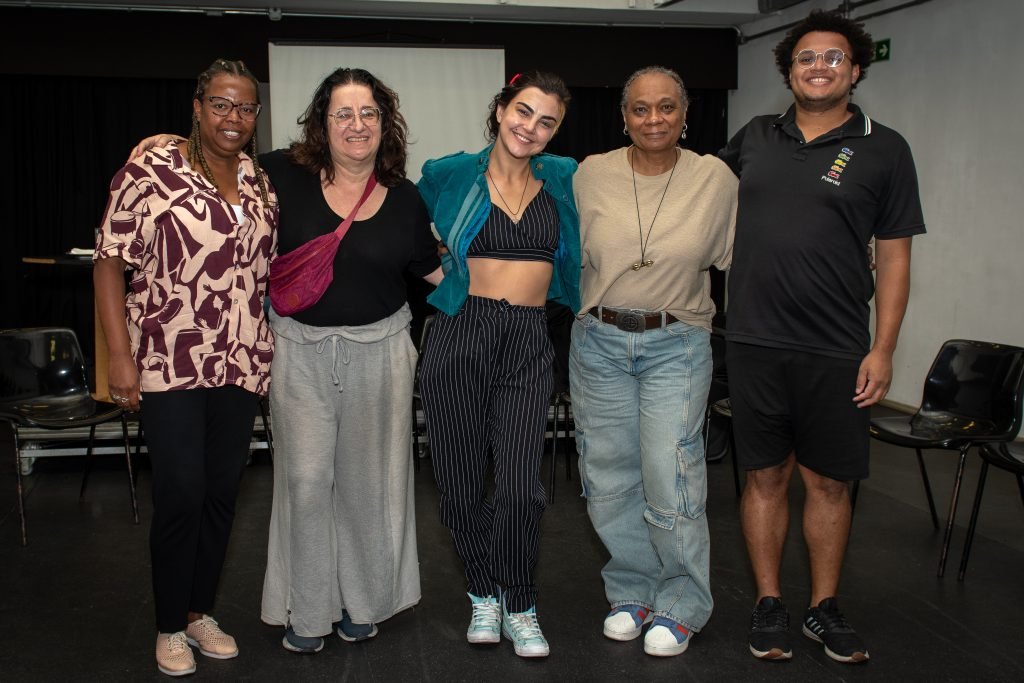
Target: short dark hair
x,y
861,45
548,83
646,71
312,150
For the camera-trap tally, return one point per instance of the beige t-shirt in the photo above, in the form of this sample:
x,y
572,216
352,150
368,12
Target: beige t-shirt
x,y
693,230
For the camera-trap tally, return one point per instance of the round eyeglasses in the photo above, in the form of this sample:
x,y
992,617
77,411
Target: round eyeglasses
x,y
343,118
221,106
831,57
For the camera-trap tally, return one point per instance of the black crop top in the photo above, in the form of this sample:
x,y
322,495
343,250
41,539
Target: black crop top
x,y
534,238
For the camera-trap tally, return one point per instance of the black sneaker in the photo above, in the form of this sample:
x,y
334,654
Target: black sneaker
x,y
769,630
826,624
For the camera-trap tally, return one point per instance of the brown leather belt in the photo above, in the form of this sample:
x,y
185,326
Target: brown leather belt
x,y
631,321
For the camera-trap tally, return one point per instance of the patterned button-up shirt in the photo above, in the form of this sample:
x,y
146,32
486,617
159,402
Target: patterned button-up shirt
x,y
195,302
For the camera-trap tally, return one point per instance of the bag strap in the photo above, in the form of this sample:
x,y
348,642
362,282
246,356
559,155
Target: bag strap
x,y
340,231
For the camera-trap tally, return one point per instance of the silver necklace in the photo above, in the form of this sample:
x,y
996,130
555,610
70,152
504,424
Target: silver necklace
x,y
646,262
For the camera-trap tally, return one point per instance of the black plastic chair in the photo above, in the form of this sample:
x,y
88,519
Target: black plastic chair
x,y
1009,457
972,396
43,386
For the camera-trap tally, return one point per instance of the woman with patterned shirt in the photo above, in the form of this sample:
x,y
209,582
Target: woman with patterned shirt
x,y
189,345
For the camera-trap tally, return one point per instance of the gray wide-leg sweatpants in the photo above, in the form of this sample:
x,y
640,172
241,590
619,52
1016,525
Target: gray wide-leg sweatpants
x,y
342,526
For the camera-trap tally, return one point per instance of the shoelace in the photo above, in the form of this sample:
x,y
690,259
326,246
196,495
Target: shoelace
x,y
526,626
486,615
177,642
830,620
208,628
773,618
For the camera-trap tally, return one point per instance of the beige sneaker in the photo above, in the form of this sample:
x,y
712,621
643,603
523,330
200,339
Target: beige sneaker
x,y
173,655
211,641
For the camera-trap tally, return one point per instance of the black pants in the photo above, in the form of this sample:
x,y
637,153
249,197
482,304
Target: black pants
x,y
198,440
486,384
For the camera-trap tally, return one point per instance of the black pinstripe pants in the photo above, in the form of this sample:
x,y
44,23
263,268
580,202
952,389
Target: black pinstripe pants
x,y
486,384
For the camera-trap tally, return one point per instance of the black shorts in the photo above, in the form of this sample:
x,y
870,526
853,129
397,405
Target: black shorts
x,y
792,401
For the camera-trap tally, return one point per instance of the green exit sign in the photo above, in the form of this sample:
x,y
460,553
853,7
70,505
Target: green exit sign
x,y
882,51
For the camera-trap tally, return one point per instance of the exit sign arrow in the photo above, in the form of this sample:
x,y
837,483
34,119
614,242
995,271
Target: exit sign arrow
x,y
882,51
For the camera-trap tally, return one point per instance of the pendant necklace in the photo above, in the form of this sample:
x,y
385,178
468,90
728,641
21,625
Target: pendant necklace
x,y
646,262
514,214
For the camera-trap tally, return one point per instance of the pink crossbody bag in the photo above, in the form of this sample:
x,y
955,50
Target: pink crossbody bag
x,y
299,278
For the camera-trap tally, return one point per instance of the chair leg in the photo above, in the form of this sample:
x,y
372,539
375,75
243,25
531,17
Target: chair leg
x,y
128,462
974,520
415,437
954,499
88,462
555,406
927,488
1020,485
20,486
571,442
266,429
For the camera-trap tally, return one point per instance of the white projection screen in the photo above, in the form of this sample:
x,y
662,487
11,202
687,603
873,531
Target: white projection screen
x,y
444,93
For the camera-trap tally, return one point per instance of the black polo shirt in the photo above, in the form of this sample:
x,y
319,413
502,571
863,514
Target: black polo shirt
x,y
800,276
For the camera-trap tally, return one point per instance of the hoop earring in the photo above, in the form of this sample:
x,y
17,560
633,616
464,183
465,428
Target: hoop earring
x,y
683,136
625,130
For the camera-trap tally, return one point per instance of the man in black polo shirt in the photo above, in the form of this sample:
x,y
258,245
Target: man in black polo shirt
x,y
816,185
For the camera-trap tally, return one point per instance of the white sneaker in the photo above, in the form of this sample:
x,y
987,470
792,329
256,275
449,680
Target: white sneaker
x,y
524,631
485,624
626,622
666,638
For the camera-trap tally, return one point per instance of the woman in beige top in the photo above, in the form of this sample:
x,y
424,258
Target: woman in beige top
x,y
653,219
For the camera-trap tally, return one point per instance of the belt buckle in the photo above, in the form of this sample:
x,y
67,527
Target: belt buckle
x,y
630,321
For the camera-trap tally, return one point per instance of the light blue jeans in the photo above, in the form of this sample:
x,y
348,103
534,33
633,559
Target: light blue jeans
x,y
639,400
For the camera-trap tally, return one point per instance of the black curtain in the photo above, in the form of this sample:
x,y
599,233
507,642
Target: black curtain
x,y
593,124
66,139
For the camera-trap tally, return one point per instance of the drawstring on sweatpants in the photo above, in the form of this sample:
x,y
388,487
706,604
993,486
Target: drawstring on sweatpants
x,y
336,341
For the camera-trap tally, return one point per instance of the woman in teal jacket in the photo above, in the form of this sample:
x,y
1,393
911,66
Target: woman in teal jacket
x,y
509,221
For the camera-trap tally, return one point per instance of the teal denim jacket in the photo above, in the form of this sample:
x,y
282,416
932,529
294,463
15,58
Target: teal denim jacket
x,y
455,191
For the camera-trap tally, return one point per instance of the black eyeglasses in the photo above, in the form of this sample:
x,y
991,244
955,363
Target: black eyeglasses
x,y
831,57
222,106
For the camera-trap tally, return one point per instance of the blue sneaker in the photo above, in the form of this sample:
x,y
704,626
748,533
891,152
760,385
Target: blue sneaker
x,y
353,632
625,622
666,638
485,624
293,642
524,632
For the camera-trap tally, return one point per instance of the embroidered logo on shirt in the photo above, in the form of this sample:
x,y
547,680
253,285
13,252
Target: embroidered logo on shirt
x,y
835,172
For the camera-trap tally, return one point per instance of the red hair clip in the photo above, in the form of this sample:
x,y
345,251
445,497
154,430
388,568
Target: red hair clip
x,y
514,79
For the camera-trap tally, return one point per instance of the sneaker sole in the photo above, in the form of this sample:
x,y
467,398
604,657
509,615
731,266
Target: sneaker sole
x,y
349,639
855,658
655,651
489,639
183,672
772,655
523,652
213,655
623,636
301,650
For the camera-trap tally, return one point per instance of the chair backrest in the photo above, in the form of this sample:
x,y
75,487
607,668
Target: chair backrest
x,y
41,362
977,385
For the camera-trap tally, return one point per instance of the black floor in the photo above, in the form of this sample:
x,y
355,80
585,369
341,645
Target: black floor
x,y
76,603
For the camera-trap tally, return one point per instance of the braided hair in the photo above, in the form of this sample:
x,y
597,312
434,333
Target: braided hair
x,y
195,148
